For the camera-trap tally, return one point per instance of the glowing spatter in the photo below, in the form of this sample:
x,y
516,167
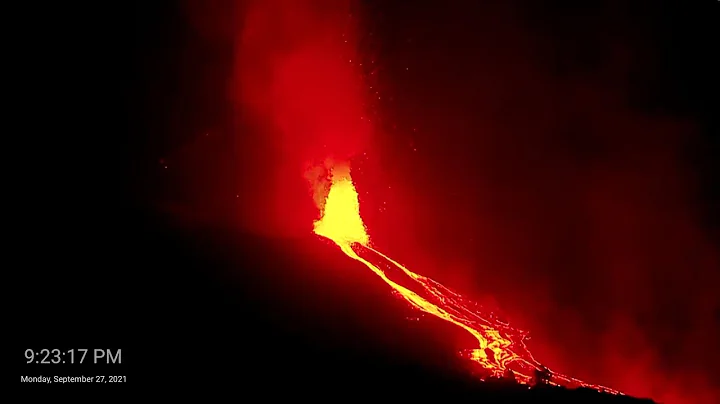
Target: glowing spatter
x,y
500,346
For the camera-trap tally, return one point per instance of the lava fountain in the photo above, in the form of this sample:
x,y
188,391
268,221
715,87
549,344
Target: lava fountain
x,y
500,347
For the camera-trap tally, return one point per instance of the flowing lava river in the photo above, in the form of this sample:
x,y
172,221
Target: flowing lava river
x,y
501,348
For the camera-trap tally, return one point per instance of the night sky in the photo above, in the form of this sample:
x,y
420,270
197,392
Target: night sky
x,y
555,160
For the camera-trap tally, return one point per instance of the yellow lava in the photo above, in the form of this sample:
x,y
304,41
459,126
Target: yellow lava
x,y
500,347
341,221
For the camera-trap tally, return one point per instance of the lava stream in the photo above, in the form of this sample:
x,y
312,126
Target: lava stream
x,y
500,346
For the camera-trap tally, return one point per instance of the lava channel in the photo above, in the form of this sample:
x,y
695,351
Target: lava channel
x,y
501,348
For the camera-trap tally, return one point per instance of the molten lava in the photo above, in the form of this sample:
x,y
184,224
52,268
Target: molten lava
x,y
500,346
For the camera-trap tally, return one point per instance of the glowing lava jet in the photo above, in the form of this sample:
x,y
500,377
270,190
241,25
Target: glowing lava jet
x,y
500,347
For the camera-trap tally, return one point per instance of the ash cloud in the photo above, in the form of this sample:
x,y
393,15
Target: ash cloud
x,y
297,86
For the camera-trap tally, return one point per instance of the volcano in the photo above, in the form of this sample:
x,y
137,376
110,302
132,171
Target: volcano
x,y
226,308
258,311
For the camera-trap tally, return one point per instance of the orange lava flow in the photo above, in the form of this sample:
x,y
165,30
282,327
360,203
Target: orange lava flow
x,y
501,348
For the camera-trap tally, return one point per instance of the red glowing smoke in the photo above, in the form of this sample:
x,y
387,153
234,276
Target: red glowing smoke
x,y
579,215
296,76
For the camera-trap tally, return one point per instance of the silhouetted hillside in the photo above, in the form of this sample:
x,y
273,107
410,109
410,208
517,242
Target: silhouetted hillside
x,y
293,318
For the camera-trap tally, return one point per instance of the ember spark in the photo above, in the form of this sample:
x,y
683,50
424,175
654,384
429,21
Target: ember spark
x,y
500,347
